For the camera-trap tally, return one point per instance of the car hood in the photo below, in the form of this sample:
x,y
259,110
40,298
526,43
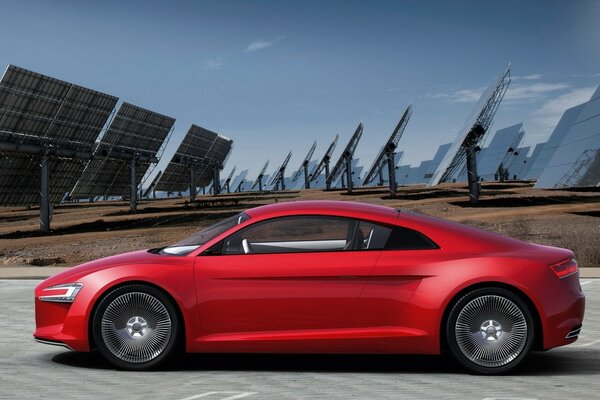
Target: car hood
x,y
75,273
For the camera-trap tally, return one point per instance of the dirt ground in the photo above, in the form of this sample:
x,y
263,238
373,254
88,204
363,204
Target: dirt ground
x,y
86,231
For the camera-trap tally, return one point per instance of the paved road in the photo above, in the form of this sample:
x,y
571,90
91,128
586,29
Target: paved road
x,y
29,370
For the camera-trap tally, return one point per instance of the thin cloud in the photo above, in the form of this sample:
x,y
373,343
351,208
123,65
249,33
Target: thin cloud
x,y
214,63
261,44
547,116
533,91
459,96
518,92
531,77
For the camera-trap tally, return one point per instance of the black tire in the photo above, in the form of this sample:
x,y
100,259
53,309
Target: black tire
x,y
136,327
490,331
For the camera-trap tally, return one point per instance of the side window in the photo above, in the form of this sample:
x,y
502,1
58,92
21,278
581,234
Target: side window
x,y
371,236
408,239
292,235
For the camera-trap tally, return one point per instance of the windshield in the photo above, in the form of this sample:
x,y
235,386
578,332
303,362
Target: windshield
x,y
191,243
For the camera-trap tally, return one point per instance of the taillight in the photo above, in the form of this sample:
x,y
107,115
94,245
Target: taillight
x,y
565,269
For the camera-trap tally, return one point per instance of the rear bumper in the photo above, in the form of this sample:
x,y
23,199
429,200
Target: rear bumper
x,y
563,326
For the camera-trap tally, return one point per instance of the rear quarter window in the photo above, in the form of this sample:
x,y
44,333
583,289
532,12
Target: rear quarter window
x,y
408,239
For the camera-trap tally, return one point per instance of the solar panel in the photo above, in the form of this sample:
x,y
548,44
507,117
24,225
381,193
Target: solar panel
x,y
201,150
504,142
516,164
402,173
575,162
388,149
417,175
342,164
437,159
561,129
39,110
474,130
237,185
530,161
133,131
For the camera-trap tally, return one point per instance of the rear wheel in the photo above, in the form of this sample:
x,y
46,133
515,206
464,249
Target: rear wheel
x,y
490,330
136,327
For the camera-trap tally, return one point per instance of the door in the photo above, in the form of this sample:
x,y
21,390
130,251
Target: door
x,y
286,278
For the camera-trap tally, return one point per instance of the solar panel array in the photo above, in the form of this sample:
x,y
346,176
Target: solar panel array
x,y
39,110
133,130
200,149
575,162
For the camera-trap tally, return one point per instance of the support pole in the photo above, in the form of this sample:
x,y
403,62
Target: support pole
x,y
327,183
133,184
282,179
349,174
392,174
216,180
45,196
192,183
306,177
473,179
381,176
260,183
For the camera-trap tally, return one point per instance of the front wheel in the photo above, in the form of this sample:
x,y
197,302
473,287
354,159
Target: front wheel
x,y
136,327
490,330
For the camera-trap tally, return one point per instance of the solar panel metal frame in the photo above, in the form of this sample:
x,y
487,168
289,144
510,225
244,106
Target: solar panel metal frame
x,y
40,110
260,175
133,130
305,161
228,179
482,115
321,166
281,170
390,146
348,152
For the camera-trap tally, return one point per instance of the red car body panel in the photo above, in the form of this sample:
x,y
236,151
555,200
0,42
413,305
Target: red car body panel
x,y
371,301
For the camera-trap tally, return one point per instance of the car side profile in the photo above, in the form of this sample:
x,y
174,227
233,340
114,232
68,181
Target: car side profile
x,y
320,277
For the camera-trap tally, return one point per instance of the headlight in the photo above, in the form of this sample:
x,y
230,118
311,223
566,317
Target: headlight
x,y
64,293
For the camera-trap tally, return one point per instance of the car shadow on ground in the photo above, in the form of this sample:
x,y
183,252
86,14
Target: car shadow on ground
x,y
561,362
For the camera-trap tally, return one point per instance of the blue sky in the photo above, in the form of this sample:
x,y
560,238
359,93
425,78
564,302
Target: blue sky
x,y
277,75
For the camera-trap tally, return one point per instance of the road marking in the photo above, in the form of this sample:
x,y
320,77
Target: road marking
x,y
585,283
510,398
588,344
234,395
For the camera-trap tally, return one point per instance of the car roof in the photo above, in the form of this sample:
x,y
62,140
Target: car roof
x,y
322,207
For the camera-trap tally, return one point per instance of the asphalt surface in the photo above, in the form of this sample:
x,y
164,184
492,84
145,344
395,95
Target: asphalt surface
x,y
29,370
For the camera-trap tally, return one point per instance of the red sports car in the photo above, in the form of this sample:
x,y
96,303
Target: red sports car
x,y
320,277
